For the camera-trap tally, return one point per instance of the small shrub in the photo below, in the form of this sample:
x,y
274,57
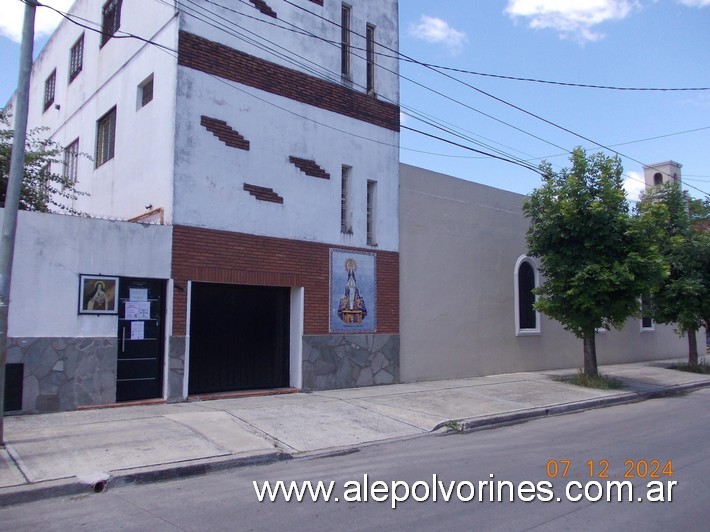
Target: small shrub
x,y
600,382
693,368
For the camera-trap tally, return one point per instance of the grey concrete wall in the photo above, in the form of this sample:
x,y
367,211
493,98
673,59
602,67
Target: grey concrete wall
x,y
349,361
70,359
51,251
459,243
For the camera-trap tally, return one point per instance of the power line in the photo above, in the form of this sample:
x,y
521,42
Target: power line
x,y
519,161
471,149
562,83
505,102
124,34
508,158
174,53
306,32
516,107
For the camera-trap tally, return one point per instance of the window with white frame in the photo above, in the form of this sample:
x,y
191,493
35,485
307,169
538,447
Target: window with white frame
x,y
71,162
105,137
49,86
110,19
76,58
527,319
145,92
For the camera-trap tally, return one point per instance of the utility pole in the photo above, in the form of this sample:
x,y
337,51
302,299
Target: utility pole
x,y
12,195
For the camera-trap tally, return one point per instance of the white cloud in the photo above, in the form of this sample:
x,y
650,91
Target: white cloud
x,y
572,19
695,3
436,30
634,185
46,20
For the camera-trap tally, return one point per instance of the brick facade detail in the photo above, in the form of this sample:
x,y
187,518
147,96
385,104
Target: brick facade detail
x,y
224,132
309,167
209,255
220,60
263,193
264,7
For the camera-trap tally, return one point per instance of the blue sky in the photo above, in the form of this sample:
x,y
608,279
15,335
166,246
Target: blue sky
x,y
620,43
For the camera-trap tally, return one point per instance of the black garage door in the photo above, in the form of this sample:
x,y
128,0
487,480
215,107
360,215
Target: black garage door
x,y
239,338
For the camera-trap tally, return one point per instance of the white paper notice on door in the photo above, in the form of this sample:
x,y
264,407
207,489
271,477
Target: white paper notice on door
x,y
137,310
137,330
138,294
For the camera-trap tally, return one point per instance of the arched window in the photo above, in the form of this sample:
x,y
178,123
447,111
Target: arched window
x,y
657,179
527,320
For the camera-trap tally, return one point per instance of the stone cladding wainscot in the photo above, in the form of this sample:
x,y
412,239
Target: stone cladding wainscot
x,y
349,361
65,373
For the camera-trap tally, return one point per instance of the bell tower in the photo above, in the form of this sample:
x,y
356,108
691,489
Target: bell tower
x,y
660,173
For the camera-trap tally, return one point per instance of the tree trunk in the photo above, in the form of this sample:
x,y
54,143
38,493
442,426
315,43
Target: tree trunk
x,y
692,349
590,354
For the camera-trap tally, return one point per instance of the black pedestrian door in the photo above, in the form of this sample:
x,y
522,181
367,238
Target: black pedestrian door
x,y
141,331
239,337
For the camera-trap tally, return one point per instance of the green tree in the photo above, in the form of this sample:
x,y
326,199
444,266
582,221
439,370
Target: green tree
x,y
683,297
42,190
597,260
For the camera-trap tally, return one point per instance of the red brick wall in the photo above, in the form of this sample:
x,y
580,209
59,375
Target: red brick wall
x,y
236,258
220,60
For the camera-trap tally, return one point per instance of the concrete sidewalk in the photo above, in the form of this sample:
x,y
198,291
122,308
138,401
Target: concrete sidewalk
x,y
76,452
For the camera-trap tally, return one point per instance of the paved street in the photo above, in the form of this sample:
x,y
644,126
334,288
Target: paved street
x,y
673,428
68,453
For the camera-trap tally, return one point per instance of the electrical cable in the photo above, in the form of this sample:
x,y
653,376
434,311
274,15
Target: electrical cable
x,y
509,157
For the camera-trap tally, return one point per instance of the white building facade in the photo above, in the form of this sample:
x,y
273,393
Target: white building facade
x,y
265,136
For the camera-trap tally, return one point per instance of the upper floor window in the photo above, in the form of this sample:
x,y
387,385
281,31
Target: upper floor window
x,y
110,19
49,86
105,137
345,14
657,179
145,92
370,54
345,214
371,213
527,319
76,58
71,162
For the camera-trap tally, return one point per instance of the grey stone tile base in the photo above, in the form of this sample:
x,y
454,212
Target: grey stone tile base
x,y
349,361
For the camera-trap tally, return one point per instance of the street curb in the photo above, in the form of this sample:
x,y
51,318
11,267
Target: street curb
x,y
478,423
73,487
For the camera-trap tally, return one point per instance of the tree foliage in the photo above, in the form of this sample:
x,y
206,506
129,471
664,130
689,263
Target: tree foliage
x,y
683,297
596,259
42,189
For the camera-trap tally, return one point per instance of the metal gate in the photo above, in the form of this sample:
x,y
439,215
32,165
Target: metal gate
x,y
141,331
239,338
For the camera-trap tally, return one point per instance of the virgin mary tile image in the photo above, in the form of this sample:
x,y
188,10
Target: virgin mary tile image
x,y
352,291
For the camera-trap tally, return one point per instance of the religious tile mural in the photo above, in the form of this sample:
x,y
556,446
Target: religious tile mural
x,y
353,289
